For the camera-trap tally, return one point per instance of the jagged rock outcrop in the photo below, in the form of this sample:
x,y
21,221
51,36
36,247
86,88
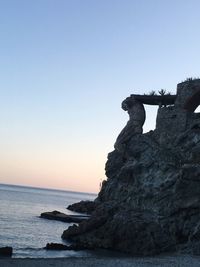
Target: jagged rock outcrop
x,y
84,206
150,202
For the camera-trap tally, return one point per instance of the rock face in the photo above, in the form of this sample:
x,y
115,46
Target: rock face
x,y
84,206
150,202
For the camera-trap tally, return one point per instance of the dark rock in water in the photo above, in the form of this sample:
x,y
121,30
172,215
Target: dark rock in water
x,y
59,216
85,206
57,246
150,202
6,252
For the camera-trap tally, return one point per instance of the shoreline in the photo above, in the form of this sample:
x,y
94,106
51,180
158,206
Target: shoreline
x,y
159,261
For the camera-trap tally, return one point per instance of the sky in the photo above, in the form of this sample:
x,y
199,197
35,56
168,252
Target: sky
x,y
65,68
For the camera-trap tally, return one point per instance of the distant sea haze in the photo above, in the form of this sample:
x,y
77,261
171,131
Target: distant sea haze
x,y
21,227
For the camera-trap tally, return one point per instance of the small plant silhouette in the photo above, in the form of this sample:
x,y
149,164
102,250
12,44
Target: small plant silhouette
x,y
162,92
152,93
189,79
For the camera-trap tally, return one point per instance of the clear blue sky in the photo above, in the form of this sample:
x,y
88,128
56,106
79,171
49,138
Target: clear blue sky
x,y
66,66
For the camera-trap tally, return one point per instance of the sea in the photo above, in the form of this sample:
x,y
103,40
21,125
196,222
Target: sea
x,y
21,226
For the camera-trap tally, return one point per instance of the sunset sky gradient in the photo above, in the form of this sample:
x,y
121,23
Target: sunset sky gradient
x,y
66,66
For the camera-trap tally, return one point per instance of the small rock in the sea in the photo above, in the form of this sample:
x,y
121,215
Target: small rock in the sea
x,y
6,251
58,246
59,216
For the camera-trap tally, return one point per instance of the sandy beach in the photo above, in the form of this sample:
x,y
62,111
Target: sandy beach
x,y
164,261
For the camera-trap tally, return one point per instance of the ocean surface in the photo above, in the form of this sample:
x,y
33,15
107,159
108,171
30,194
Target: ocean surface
x,y
21,227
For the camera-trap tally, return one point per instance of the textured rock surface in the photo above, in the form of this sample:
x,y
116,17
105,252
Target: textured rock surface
x,y
150,202
84,206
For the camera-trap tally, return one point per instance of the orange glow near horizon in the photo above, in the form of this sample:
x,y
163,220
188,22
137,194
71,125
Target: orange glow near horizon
x,y
74,171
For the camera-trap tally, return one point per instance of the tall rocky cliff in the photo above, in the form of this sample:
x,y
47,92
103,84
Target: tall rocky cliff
x,y
150,202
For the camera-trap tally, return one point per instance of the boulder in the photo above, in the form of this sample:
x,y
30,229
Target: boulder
x,y
6,251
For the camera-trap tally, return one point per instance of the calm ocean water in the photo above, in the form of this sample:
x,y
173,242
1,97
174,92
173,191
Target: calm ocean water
x,y
21,227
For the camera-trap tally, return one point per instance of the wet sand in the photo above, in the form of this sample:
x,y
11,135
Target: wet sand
x,y
164,261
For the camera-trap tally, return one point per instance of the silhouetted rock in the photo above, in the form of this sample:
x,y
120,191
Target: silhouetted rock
x,y
150,202
58,246
6,251
59,216
84,206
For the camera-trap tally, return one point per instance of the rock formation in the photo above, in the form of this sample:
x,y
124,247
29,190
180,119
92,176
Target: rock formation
x,y
59,216
137,116
150,202
84,206
58,246
6,251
